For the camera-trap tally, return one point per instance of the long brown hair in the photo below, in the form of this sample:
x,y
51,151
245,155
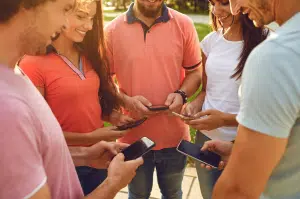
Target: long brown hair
x,y
252,36
94,49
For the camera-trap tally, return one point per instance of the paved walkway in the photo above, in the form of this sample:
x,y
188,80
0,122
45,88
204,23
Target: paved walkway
x,y
190,187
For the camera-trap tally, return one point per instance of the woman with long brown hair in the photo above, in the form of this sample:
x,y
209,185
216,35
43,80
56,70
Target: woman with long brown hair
x,y
224,54
75,81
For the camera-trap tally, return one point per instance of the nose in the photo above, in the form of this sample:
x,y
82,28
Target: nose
x,y
89,25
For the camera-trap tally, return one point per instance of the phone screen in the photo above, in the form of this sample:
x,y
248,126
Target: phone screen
x,y
138,149
195,152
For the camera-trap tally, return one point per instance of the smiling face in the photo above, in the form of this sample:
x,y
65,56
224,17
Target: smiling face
x,y
44,21
80,21
259,11
149,8
221,10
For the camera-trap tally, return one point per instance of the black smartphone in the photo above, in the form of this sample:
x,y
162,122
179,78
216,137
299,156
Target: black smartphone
x,y
138,149
194,151
158,108
131,125
184,117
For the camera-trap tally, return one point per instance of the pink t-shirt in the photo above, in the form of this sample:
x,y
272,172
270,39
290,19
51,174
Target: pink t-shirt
x,y
33,150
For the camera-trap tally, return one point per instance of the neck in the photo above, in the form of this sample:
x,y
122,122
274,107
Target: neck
x,y
147,20
10,48
65,46
234,32
284,10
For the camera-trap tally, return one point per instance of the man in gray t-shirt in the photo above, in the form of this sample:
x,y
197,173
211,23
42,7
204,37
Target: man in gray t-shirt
x,y
265,161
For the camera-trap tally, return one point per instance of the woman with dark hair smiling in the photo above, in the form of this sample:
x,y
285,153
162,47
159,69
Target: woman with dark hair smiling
x,y
74,79
224,54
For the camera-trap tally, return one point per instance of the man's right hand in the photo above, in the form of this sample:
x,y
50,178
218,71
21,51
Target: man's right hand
x,y
223,148
138,104
121,173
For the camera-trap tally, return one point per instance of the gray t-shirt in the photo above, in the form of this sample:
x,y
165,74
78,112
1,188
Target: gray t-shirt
x,y
270,103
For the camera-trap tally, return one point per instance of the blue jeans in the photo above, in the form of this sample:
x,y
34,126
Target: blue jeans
x,y
170,166
207,179
90,178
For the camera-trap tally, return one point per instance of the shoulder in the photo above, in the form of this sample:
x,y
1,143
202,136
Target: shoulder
x,y
184,21
111,26
28,61
211,36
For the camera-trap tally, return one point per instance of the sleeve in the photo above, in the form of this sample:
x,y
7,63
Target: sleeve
x,y
192,55
33,68
109,48
21,169
206,43
270,92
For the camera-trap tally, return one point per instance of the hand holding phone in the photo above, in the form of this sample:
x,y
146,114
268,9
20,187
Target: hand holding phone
x,y
183,117
194,151
138,149
131,125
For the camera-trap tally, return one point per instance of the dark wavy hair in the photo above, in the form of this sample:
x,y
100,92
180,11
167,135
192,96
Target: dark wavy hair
x,y
8,8
252,36
93,48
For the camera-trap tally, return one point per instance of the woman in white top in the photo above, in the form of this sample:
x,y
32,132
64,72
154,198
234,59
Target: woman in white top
x,y
224,53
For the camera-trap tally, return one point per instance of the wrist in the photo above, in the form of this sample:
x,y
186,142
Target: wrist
x,y
111,185
183,95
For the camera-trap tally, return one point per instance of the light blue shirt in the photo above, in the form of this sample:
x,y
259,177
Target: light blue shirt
x,y
270,103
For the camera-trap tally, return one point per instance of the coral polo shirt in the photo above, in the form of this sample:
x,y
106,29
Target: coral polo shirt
x,y
151,62
71,95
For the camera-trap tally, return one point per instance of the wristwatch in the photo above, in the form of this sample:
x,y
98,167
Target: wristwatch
x,y
183,95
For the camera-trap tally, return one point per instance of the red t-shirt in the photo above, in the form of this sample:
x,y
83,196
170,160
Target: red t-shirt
x,y
73,100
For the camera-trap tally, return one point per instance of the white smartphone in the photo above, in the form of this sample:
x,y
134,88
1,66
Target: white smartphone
x,y
194,151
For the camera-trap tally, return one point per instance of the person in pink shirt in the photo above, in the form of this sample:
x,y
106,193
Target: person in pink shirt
x,y
154,54
35,160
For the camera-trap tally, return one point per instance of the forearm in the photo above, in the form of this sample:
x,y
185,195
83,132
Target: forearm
x,y
79,155
230,119
105,190
199,100
85,139
224,189
191,82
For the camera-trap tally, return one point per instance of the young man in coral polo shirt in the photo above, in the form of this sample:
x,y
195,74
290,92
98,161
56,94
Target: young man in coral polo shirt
x,y
154,53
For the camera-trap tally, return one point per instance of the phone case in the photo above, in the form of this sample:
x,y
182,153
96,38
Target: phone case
x,y
131,124
158,108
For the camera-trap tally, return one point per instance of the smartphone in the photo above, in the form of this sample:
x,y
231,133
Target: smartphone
x,y
194,151
138,149
184,117
131,125
158,108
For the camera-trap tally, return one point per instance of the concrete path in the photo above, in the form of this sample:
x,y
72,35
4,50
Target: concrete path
x,y
190,187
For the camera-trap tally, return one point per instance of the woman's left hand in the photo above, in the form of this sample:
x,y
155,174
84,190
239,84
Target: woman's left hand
x,y
118,118
208,120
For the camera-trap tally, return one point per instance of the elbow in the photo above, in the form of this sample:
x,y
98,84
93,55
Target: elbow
x,y
228,190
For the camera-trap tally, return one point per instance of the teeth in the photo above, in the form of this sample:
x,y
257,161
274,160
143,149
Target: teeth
x,y
81,32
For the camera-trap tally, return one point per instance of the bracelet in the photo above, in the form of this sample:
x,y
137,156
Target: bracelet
x,y
183,95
